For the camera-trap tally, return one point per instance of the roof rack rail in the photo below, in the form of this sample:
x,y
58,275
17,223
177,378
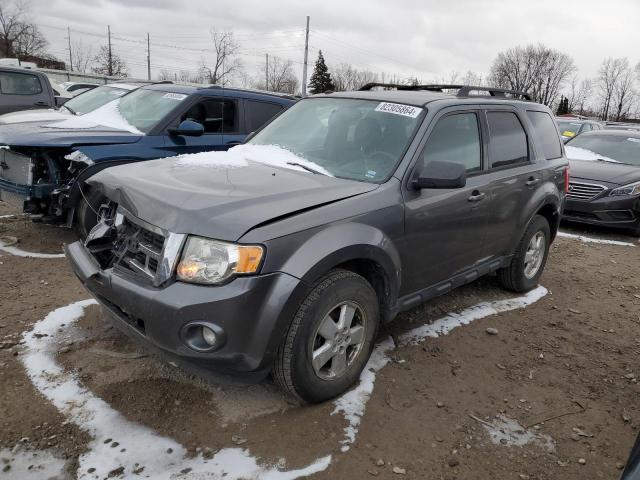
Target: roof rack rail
x,y
463,90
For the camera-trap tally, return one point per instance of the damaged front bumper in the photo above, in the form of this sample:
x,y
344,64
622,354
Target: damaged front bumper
x,y
249,315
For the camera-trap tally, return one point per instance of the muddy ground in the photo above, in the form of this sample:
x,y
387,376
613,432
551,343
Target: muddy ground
x,y
565,368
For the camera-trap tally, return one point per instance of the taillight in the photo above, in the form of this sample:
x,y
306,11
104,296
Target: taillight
x,y
566,179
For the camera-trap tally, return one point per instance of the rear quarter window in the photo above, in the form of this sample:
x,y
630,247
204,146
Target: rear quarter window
x,y
545,129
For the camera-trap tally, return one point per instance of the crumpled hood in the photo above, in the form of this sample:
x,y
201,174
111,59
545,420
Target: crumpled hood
x,y
616,173
221,195
37,116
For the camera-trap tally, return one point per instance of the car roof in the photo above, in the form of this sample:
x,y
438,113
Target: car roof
x,y
421,98
574,120
613,133
21,70
124,86
221,92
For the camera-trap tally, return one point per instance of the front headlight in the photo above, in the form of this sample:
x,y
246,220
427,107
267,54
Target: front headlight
x,y
212,261
631,189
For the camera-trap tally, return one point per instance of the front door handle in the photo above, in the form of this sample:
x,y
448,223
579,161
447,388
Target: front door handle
x,y
41,104
233,144
532,181
476,196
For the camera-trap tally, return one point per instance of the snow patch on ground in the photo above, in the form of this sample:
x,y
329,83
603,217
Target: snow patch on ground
x,y
241,155
507,431
106,116
5,247
353,403
23,464
586,239
139,446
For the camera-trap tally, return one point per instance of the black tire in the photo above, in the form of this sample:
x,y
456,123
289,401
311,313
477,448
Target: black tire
x,y
88,205
513,277
293,370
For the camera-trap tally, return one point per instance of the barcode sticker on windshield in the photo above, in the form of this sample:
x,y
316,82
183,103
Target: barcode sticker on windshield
x,y
399,109
174,96
637,140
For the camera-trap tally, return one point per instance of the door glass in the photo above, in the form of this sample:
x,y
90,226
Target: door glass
x,y
260,113
456,139
216,116
507,140
19,84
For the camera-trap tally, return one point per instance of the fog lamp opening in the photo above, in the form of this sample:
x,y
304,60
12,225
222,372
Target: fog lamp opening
x,y
209,336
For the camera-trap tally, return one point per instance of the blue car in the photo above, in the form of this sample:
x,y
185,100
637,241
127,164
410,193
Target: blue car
x,y
44,165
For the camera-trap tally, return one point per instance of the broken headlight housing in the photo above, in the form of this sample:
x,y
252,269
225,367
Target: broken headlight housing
x,y
78,156
213,262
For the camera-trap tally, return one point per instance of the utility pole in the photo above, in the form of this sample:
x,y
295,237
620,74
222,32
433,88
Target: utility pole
x,y
266,72
110,70
306,56
148,58
69,38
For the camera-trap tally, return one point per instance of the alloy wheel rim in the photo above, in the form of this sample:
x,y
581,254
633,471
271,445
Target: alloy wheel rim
x,y
338,340
534,255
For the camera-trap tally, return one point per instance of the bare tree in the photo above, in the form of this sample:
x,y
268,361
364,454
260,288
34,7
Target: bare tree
x,y
346,77
165,75
81,56
280,77
623,95
609,75
19,37
536,69
472,78
106,64
225,62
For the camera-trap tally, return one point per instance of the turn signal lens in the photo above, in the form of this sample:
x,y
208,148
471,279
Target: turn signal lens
x,y
249,258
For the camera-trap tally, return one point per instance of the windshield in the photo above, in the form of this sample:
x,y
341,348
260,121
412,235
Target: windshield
x,y
620,148
89,101
569,129
354,139
143,108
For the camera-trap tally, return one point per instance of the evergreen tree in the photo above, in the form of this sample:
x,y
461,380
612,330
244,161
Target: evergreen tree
x,y
320,78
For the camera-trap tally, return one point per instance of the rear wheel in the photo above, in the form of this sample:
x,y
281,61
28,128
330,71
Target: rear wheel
x,y
87,211
529,259
330,338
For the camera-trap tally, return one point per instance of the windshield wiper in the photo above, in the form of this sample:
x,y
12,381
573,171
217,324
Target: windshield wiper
x,y
610,160
70,109
308,169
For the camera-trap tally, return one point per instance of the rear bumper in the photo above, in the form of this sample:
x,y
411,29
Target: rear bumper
x,y
251,313
616,212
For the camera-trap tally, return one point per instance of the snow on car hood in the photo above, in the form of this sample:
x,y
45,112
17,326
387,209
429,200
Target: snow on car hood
x,y
44,115
222,194
106,116
578,153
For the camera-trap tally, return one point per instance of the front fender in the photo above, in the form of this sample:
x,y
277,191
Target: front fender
x,y
340,243
89,171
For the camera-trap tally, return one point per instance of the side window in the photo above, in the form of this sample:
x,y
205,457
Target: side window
x,y
585,128
547,134
19,84
216,116
455,138
507,140
259,113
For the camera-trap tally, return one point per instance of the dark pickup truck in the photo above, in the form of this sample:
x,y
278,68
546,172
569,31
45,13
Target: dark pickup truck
x,y
24,89
286,254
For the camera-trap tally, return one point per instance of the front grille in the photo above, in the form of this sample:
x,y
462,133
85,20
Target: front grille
x,y
138,249
584,191
15,167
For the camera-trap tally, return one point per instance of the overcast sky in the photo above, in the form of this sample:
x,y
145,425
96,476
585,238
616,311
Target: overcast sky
x,y
423,38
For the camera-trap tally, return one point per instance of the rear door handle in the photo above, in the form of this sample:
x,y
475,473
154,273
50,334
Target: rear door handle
x,y
532,181
476,196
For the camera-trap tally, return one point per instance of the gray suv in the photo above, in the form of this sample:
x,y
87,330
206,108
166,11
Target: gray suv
x,y
286,254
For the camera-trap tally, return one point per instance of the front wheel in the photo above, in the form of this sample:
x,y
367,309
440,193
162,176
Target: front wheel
x,y
529,259
330,338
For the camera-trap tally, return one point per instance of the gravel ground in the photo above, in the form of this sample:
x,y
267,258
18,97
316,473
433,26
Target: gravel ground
x,y
543,392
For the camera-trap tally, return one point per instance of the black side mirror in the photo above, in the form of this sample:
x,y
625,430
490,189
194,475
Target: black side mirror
x,y
187,128
440,175
59,101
